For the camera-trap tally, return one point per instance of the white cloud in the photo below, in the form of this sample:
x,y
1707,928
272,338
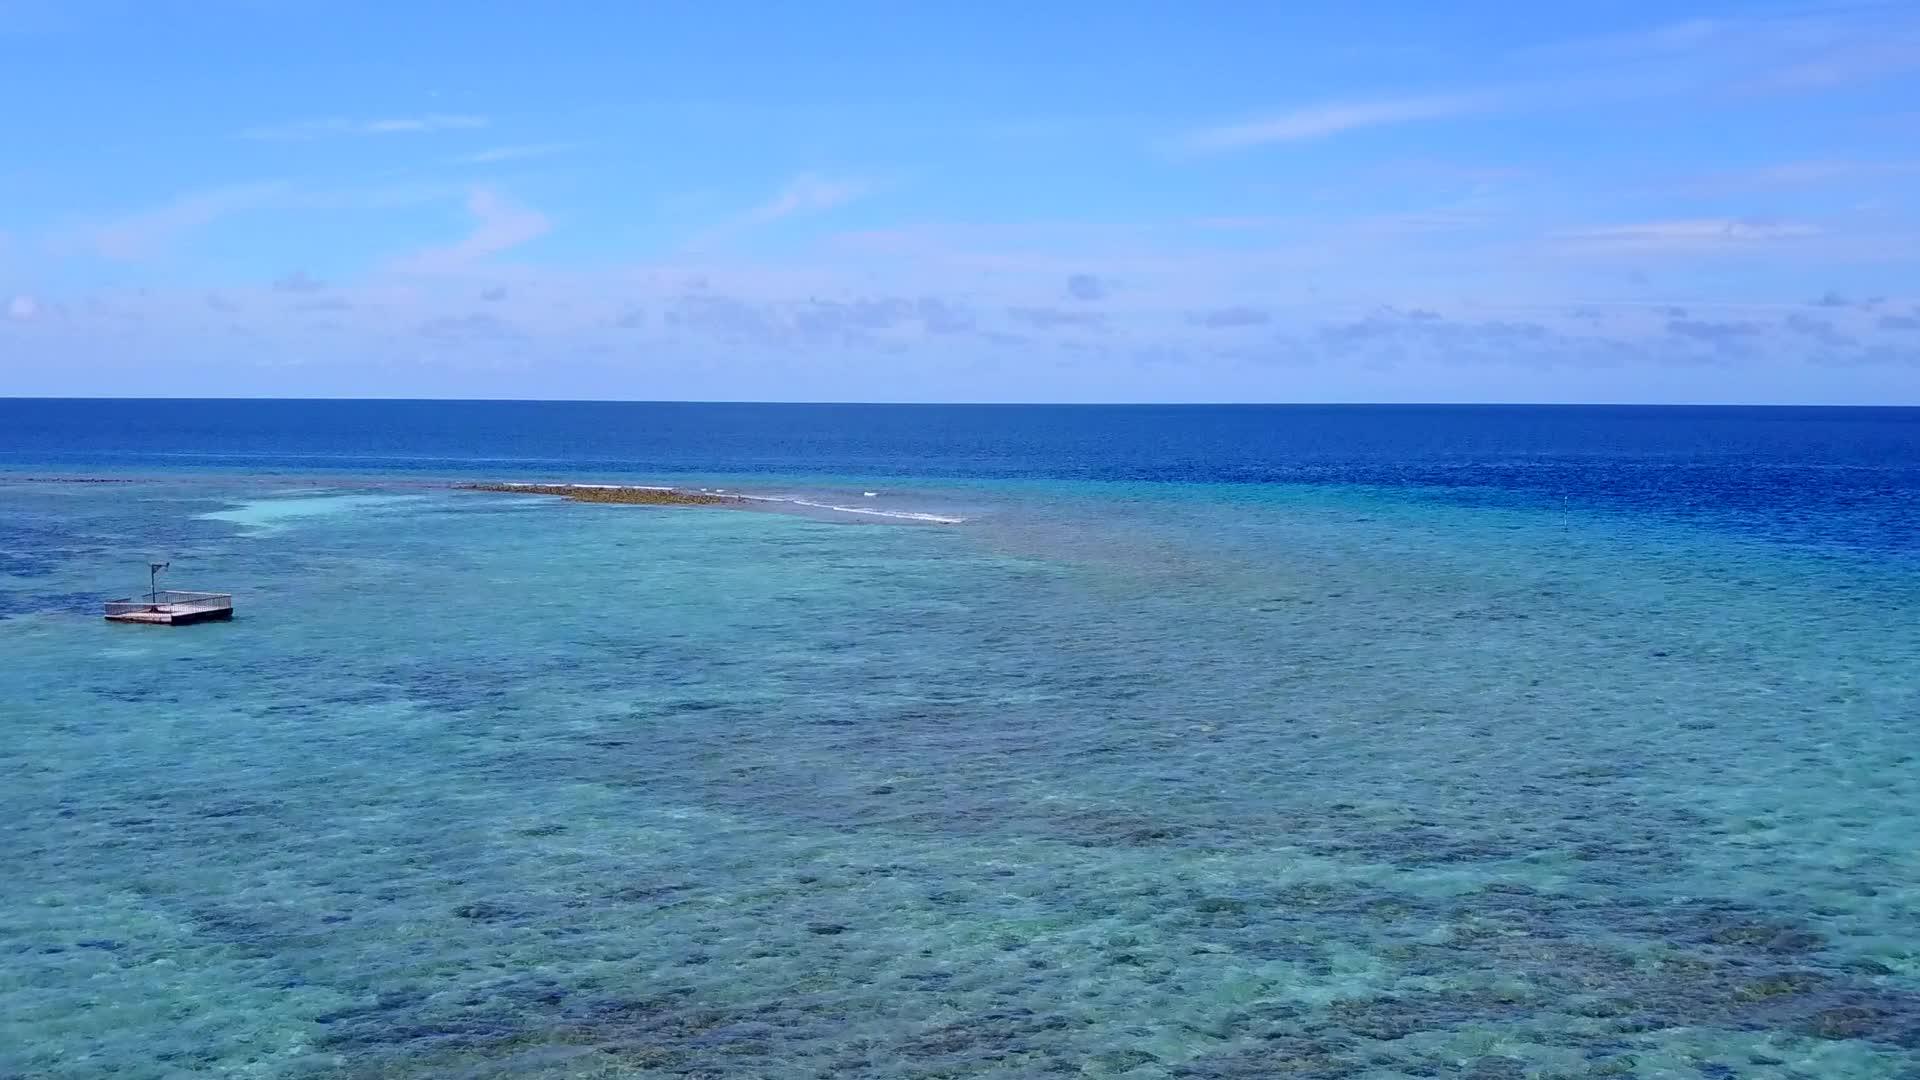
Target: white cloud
x,y
1691,235
147,233
298,281
513,153
1808,47
1683,35
1686,37
499,225
1857,61
341,126
1319,121
1810,173
806,194
22,308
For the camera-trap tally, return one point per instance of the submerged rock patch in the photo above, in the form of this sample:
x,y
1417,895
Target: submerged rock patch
x,y
601,493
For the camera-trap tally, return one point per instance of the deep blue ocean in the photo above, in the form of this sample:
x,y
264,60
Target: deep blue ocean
x,y
1205,742
1845,476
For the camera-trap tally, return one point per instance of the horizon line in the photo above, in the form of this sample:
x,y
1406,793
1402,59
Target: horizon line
x,y
1000,404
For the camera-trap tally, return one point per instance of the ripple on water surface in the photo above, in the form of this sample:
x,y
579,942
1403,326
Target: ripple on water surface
x,y
1309,786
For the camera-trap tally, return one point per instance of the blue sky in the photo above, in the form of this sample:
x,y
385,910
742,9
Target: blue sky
x,y
982,202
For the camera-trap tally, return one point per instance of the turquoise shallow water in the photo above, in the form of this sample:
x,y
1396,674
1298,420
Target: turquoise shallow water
x,y
1141,780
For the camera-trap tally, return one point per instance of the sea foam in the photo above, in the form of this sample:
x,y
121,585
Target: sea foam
x,y
865,511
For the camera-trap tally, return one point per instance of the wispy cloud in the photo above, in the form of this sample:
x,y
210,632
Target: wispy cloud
x,y
1791,48
1692,235
1086,287
1320,121
807,193
499,225
333,127
475,328
1815,329
1800,174
1041,317
514,153
298,282
1848,62
148,233
1228,317
1814,50
1682,38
